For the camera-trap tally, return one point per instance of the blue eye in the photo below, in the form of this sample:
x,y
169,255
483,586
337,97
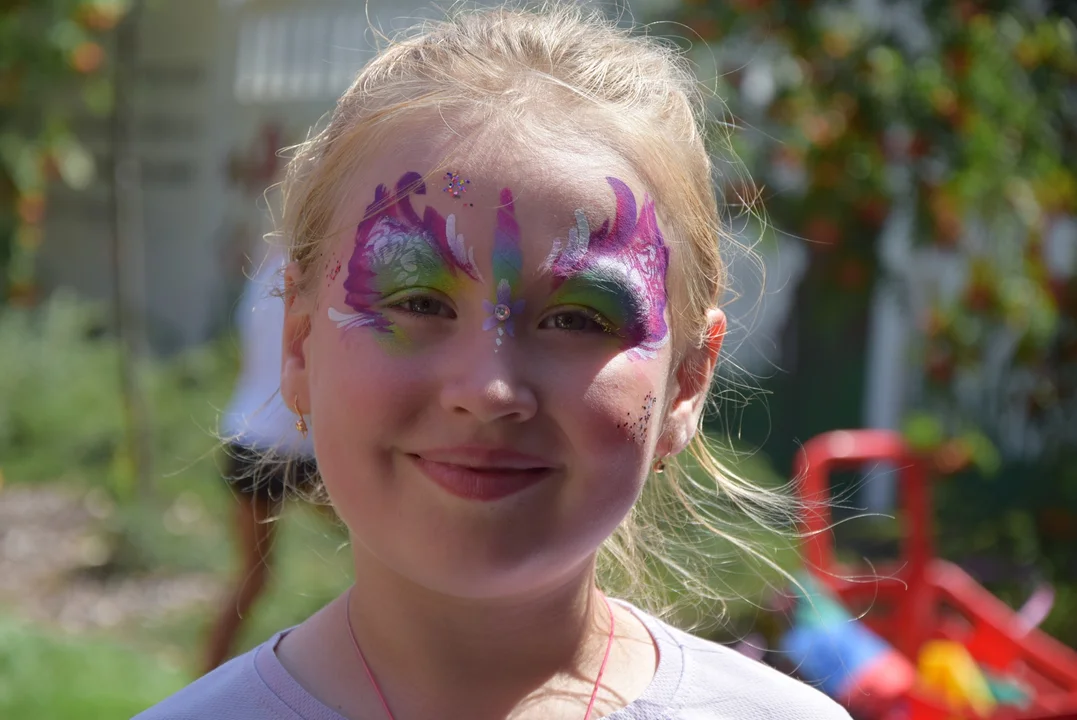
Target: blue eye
x,y
578,320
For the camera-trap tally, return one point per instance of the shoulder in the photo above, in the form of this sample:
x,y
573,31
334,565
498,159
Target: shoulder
x,y
717,682
234,691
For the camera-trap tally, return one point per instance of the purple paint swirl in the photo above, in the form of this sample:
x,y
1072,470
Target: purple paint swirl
x,y
392,239
632,251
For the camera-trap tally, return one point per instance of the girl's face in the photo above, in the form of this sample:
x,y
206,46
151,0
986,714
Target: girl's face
x,y
487,363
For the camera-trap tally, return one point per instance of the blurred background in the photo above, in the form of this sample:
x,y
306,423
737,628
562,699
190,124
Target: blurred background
x,y
905,190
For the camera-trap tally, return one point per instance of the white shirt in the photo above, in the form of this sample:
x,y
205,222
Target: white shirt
x,y
695,680
257,415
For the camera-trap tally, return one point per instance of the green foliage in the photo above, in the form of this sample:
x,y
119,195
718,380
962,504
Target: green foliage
x,y
45,674
59,391
1021,525
962,111
53,63
928,436
61,420
61,414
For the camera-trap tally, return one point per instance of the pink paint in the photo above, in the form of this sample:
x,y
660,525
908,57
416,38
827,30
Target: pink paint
x,y
390,220
633,247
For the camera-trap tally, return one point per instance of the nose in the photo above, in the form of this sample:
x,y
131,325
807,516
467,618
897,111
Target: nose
x,y
490,387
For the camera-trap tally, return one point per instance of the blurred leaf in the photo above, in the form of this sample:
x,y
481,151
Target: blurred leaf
x,y
99,95
51,59
923,432
75,164
984,454
66,35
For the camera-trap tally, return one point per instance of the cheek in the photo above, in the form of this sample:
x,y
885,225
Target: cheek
x,y
360,393
616,419
610,427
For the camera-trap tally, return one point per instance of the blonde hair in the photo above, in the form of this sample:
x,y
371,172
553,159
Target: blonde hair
x,y
562,68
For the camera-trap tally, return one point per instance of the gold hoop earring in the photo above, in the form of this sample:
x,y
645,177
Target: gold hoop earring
x,y
659,466
300,424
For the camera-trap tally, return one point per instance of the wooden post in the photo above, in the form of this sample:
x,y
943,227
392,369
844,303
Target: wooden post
x,y
128,257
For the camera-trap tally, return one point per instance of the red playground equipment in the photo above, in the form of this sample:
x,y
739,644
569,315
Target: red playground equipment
x,y
922,598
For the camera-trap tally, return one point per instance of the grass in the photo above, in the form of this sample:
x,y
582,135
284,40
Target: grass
x,y
48,676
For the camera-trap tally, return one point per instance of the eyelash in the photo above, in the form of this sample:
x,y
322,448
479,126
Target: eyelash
x,y
592,316
604,326
402,303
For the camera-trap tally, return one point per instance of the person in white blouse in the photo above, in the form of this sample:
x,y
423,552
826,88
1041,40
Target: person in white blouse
x,y
267,460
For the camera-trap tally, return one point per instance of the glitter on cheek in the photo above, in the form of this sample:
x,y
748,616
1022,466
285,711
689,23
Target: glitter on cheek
x,y
636,427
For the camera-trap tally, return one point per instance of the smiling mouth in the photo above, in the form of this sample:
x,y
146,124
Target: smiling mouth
x,y
486,483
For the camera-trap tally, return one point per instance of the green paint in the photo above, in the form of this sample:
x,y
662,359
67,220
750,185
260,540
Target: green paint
x,y
408,268
609,292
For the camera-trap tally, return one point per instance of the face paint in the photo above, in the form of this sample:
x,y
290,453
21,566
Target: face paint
x,y
396,249
507,262
334,272
626,262
569,254
637,430
607,289
456,187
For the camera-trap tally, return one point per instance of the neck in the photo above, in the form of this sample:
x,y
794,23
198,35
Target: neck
x,y
426,645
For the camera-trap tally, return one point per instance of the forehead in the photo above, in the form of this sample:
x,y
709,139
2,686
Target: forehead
x,y
548,182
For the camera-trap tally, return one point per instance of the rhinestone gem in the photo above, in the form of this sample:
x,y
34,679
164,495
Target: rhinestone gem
x,y
502,312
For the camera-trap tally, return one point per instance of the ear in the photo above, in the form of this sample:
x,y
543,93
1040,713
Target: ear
x,y
294,387
693,381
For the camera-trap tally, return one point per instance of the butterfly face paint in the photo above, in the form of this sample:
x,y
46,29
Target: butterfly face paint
x,y
619,271
396,250
507,262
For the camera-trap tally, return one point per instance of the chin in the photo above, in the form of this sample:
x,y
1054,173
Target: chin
x,y
456,569
498,576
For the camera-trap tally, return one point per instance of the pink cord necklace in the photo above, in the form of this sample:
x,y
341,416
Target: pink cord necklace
x,y
385,705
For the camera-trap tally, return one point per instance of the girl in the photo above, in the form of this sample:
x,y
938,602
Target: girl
x,y
501,316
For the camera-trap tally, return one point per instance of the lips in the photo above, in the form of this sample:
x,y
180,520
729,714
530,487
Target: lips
x,y
482,474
